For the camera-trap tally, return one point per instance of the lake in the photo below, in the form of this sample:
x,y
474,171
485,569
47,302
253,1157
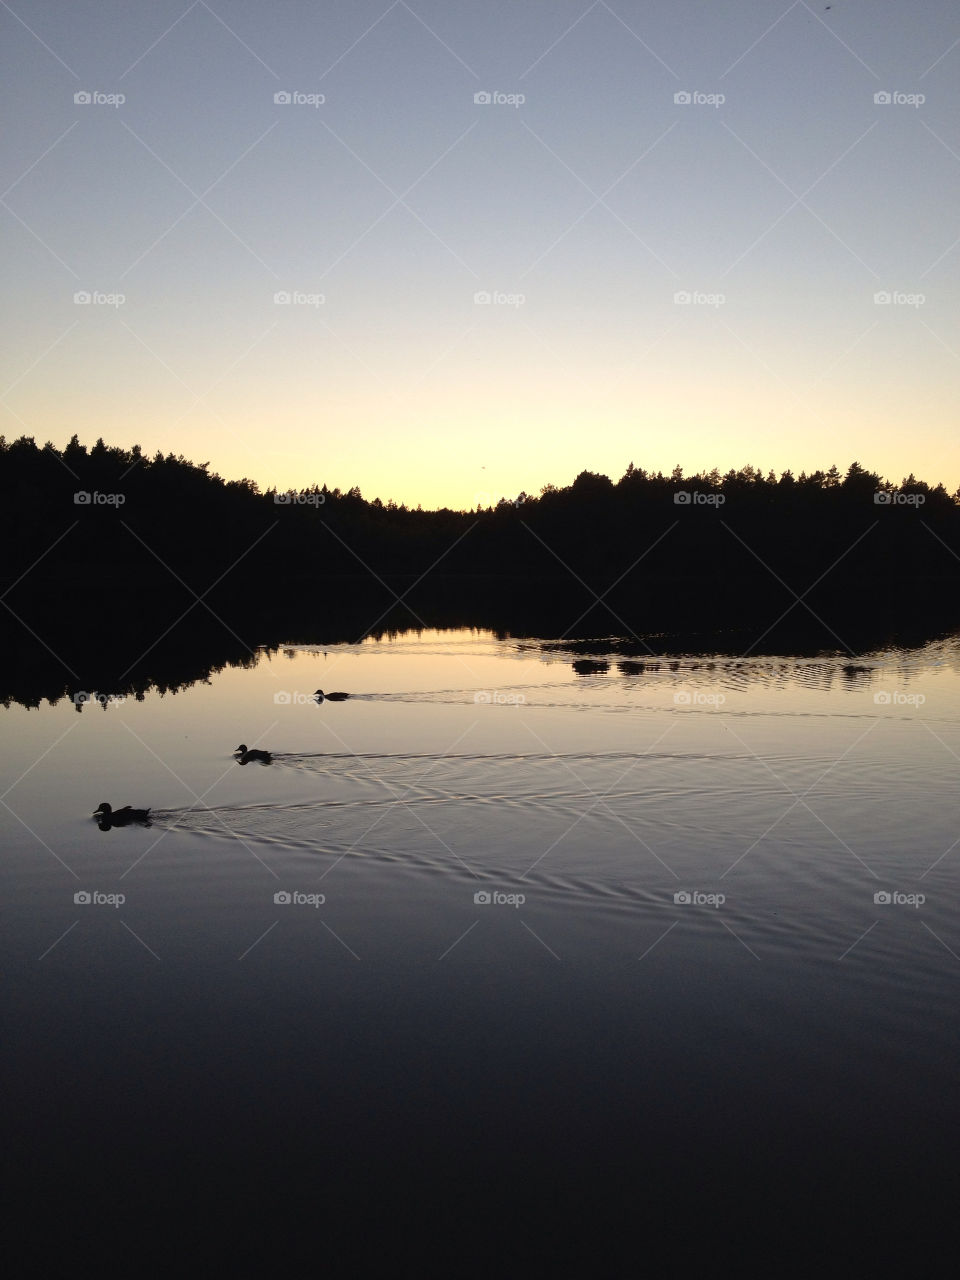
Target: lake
x,y
529,949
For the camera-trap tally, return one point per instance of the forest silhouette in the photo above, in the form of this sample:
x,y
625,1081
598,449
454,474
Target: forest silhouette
x,y
109,548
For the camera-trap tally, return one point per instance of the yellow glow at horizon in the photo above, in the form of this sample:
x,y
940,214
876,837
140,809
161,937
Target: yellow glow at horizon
x,y
497,422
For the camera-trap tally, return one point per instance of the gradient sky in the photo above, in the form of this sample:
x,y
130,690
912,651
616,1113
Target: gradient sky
x,y
597,199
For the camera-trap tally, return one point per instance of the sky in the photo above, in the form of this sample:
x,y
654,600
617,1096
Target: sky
x,y
451,251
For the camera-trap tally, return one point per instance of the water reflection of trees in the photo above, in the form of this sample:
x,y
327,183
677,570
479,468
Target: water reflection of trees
x,y
111,663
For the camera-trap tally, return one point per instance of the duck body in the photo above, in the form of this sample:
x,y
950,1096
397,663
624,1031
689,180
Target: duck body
x,y
245,754
125,817
330,697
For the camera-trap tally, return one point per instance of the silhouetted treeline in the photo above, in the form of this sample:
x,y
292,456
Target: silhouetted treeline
x,y
106,538
188,516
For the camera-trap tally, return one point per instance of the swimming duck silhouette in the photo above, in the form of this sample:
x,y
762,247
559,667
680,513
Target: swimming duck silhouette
x,y
252,753
330,697
125,817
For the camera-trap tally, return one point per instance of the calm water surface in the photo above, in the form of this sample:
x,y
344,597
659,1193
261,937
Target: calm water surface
x,y
667,946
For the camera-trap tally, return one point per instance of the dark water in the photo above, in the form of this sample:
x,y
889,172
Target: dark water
x,y
503,961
